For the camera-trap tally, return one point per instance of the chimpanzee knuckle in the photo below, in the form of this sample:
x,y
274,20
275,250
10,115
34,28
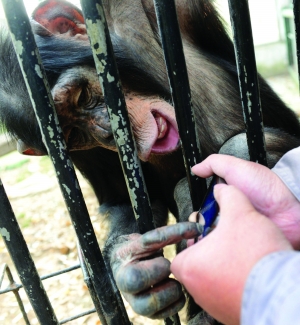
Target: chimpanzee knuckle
x,y
125,248
159,297
171,309
131,279
137,277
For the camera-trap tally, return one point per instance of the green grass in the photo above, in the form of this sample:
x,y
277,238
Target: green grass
x,y
23,220
12,161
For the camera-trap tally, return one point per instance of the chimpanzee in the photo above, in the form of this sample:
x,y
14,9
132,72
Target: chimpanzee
x,y
63,43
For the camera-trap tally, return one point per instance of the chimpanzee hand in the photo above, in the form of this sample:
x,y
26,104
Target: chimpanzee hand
x,y
142,274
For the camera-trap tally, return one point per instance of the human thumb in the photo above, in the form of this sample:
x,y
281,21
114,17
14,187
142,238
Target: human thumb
x,y
232,202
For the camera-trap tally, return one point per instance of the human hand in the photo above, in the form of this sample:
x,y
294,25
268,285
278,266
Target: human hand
x,y
214,270
145,284
265,190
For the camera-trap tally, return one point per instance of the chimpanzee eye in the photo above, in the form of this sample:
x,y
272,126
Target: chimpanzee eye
x,y
88,100
84,98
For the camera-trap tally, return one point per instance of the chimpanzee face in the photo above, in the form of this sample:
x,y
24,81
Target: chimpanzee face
x,y
84,120
78,96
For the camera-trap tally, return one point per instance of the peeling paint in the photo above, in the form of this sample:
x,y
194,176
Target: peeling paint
x,y
51,132
246,75
88,265
96,32
67,189
249,104
77,185
110,78
18,45
38,71
5,234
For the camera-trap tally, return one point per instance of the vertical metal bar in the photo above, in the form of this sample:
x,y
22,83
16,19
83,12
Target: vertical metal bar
x,y
108,74
248,79
297,31
18,250
289,41
181,94
115,102
39,91
87,280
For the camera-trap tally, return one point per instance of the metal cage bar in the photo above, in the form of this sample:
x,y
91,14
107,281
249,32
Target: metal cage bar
x,y
12,287
115,102
297,29
89,284
24,264
181,95
116,106
112,311
248,79
43,105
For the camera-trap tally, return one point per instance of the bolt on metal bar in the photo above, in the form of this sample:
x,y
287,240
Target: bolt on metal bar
x,y
297,31
248,79
12,284
181,95
115,102
39,91
18,250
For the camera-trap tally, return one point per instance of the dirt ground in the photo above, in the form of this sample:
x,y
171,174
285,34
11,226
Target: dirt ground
x,y
34,194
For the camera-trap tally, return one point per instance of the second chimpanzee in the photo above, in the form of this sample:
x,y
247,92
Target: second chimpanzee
x,y
63,43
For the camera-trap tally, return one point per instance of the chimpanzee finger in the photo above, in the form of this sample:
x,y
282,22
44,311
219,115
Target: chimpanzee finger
x,y
136,277
170,310
139,246
162,295
161,237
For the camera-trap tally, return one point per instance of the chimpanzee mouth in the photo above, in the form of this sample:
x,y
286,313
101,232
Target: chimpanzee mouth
x,y
167,138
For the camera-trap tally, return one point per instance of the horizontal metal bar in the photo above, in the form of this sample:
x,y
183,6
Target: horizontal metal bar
x,y
67,320
48,276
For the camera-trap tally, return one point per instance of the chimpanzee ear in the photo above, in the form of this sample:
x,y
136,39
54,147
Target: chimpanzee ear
x,y
38,29
60,18
24,149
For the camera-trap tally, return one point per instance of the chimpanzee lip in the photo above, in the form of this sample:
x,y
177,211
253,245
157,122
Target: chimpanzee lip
x,y
169,142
